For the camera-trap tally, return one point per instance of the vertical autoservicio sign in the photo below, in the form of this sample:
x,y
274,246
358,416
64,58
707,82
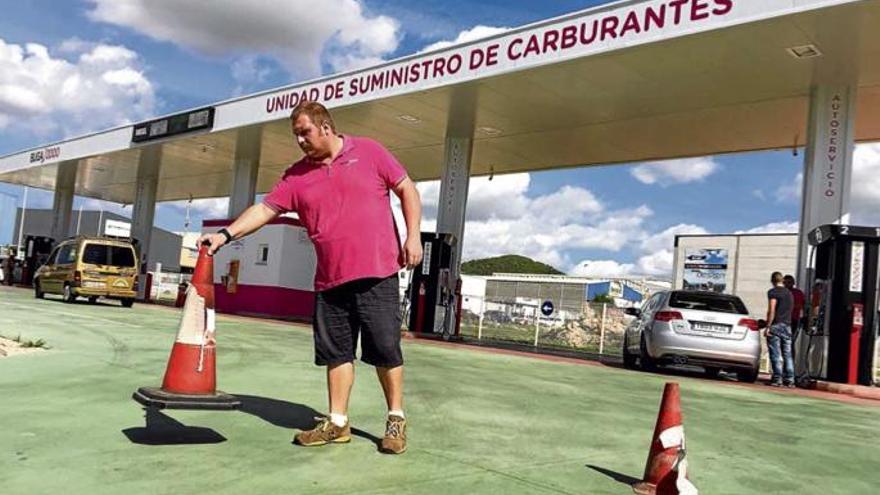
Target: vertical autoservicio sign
x,y
856,266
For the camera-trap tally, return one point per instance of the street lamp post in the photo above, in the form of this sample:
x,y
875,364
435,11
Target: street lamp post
x,y
79,218
21,222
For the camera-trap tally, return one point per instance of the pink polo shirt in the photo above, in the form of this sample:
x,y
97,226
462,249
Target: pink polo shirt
x,y
346,209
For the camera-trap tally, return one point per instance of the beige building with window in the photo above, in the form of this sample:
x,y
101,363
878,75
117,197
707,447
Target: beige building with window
x,y
738,264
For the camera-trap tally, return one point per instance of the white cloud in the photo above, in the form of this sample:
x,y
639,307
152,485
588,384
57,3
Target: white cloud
x,y
657,264
790,192
602,269
99,86
249,71
664,240
503,219
865,199
299,34
540,235
680,171
655,259
475,33
503,197
772,228
568,203
210,208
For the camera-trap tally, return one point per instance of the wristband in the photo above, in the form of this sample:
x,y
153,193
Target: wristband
x,y
225,233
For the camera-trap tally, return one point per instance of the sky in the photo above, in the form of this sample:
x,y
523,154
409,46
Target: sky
x,y
73,67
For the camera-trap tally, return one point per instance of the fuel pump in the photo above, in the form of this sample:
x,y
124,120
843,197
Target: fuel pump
x,y
838,341
432,292
36,250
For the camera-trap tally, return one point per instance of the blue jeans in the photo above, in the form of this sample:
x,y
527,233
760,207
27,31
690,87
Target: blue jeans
x,y
779,345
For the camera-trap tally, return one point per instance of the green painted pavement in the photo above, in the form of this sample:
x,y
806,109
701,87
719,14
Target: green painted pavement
x,y
479,422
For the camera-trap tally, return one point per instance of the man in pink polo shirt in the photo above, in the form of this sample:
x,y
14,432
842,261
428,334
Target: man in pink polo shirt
x,y
340,190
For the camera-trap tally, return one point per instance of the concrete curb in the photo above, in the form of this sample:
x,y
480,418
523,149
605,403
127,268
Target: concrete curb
x,y
860,391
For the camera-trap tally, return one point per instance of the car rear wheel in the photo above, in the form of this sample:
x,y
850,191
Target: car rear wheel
x,y
38,291
748,375
93,299
68,294
629,359
646,362
127,302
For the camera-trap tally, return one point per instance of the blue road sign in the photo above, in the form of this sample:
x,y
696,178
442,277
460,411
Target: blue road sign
x,y
547,308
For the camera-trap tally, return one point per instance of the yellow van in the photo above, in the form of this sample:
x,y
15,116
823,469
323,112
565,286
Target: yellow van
x,y
90,267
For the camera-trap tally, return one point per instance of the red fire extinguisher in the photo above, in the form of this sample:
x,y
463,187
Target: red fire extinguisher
x,y
420,309
855,336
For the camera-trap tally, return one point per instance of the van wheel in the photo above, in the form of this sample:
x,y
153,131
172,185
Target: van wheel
x,y
127,302
38,292
645,360
629,359
68,294
93,299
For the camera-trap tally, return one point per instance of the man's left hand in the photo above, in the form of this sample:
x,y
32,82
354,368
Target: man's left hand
x,y
412,252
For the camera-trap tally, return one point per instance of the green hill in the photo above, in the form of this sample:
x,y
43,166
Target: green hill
x,y
510,263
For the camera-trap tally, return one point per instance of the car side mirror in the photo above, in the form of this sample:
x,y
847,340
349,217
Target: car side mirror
x,y
633,312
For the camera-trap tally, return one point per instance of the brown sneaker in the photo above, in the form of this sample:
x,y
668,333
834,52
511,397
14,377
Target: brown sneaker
x,y
323,433
395,436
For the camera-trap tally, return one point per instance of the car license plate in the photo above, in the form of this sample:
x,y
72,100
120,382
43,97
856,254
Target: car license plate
x,y
93,285
708,327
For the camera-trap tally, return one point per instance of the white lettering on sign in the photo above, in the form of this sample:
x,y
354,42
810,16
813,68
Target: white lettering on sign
x,y
49,153
832,147
426,258
117,228
856,266
577,35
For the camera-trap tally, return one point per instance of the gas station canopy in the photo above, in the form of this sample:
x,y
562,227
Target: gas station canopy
x,y
625,82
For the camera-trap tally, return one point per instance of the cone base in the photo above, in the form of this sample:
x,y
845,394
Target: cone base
x,y
644,488
160,399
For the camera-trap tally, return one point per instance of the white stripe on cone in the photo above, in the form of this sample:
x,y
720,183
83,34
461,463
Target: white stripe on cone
x,y
674,437
194,327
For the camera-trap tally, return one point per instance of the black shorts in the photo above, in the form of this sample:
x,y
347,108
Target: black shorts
x,y
369,307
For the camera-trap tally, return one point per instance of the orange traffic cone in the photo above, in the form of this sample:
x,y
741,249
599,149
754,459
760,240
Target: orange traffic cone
x,y
666,469
191,377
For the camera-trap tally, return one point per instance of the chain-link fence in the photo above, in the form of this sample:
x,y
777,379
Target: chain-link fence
x,y
587,327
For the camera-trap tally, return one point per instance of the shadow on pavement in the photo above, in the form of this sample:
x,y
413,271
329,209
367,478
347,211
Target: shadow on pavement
x,y
289,415
618,477
164,430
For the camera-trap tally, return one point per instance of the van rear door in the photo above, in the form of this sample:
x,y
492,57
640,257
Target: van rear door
x,y
111,265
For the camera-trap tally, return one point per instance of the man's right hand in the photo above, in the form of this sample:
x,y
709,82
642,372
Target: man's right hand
x,y
214,242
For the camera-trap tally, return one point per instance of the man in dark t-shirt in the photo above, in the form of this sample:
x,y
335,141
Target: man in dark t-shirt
x,y
797,310
778,333
798,299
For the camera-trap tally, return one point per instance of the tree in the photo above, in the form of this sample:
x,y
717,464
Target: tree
x,y
510,263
